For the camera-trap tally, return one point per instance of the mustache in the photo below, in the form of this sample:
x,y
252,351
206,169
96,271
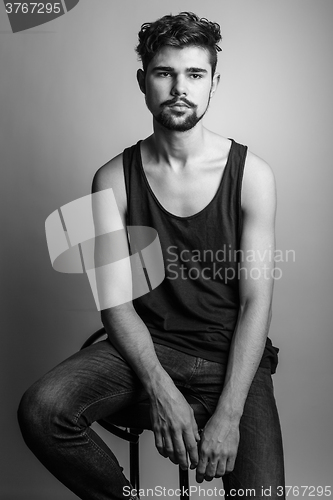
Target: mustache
x,y
176,100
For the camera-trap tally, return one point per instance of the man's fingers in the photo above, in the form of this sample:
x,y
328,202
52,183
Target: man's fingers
x,y
215,468
180,450
169,448
201,469
159,443
211,469
220,469
192,448
230,464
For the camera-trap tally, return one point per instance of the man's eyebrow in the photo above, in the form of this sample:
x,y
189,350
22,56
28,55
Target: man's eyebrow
x,y
196,70
188,70
163,68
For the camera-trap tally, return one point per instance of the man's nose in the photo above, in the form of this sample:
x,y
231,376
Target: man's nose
x,y
179,86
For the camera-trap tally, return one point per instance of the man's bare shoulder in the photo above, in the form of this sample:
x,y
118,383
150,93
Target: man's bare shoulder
x,y
258,187
111,175
218,145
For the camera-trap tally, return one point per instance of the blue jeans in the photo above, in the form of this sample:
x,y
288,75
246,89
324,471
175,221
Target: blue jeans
x,y
55,415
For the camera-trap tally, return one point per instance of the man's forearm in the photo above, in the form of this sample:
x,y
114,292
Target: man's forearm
x,y
246,351
132,339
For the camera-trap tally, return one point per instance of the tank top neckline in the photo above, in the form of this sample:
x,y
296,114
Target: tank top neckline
x,y
158,203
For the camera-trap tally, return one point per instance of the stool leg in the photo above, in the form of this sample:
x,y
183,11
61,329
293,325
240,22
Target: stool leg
x,y
134,464
184,484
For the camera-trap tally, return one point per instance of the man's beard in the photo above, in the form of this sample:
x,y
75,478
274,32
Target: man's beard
x,y
169,119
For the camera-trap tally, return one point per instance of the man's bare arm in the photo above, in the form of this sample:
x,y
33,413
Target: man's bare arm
x,y
175,429
219,442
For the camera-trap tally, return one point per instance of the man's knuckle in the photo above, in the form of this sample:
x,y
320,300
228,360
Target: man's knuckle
x,y
191,447
203,448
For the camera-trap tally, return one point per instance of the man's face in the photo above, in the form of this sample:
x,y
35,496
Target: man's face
x,y
178,85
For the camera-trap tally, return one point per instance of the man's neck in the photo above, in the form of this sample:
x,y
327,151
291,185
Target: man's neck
x,y
177,149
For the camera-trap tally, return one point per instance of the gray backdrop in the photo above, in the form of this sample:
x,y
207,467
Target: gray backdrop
x,y
70,102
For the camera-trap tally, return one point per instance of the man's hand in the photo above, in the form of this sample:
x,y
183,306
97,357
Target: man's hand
x,y
175,428
218,448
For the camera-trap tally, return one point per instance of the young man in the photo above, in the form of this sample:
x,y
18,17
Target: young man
x,y
204,329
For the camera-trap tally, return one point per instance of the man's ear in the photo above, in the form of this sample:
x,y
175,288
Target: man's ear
x,y
141,77
215,82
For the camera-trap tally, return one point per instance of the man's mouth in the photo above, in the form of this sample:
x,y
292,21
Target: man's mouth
x,y
180,105
177,104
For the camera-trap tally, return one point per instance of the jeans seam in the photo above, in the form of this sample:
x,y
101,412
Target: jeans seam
x,y
197,365
234,477
111,395
102,453
204,402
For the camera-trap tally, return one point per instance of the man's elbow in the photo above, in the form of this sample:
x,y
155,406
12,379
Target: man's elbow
x,y
116,313
257,306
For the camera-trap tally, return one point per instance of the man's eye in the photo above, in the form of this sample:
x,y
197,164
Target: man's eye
x,y
196,76
164,74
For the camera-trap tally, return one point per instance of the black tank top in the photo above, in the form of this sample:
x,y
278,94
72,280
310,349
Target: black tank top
x,y
195,308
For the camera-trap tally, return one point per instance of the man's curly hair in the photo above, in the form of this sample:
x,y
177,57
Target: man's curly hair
x,y
181,30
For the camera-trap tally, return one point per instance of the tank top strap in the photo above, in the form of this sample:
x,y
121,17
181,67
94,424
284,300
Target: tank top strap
x,y
230,196
236,165
131,176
